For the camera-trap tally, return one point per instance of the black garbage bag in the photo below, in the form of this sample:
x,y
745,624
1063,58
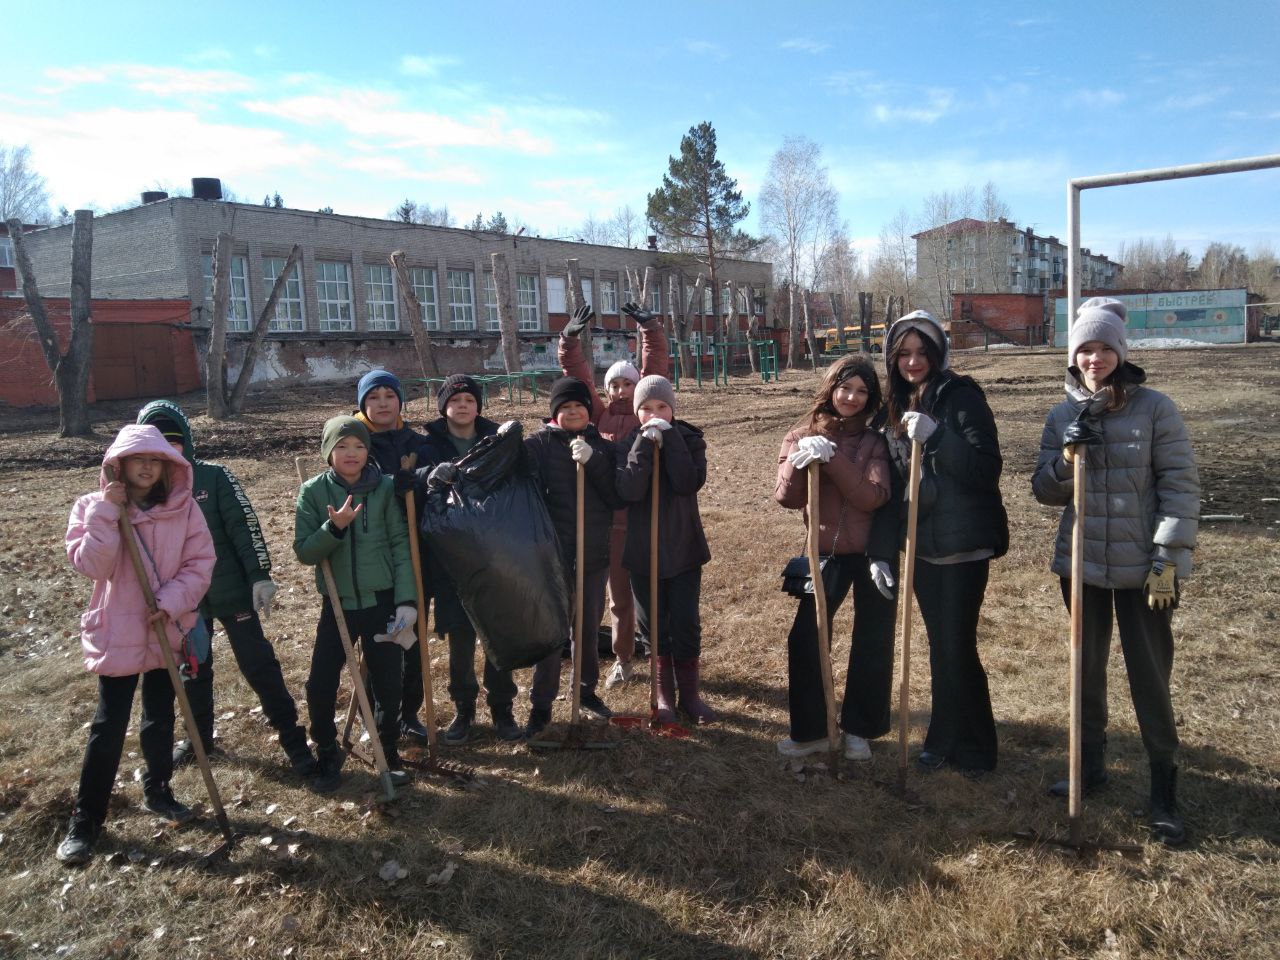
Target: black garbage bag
x,y
491,532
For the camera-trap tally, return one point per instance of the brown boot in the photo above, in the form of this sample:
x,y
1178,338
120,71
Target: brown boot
x,y
666,690
690,702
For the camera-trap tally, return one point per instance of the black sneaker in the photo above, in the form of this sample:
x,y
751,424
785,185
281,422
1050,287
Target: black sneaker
x,y
328,775
592,703
539,717
77,849
460,730
162,803
413,728
928,760
184,753
505,726
301,759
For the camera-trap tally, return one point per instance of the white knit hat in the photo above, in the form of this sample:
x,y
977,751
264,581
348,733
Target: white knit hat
x,y
1100,318
923,322
621,369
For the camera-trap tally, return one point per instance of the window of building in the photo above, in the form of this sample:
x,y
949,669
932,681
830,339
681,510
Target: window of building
x,y
555,295
491,303
970,284
380,297
655,298
608,296
289,316
462,301
238,306
587,290
424,288
6,252
708,302
333,295
527,302
1018,241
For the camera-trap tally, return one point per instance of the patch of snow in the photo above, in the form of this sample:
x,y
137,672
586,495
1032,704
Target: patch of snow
x,y
1166,343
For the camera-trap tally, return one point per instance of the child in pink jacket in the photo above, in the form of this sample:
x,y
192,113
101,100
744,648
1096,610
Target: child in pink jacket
x,y
153,487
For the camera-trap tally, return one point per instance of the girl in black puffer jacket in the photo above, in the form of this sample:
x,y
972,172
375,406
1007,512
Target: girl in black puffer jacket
x,y
962,527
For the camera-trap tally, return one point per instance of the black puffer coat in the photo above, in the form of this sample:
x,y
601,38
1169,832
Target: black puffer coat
x,y
961,509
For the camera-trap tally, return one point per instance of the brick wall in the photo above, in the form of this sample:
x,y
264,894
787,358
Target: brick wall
x,y
1019,317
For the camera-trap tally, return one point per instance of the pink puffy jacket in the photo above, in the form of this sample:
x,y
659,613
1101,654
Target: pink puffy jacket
x,y
114,632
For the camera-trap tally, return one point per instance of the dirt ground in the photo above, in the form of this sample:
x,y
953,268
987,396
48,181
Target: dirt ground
x,y
709,847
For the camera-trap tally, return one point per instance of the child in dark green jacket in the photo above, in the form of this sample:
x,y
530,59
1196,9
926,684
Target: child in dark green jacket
x,y
348,515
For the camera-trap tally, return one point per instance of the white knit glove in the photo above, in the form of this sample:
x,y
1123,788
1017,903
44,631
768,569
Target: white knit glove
x,y
580,450
654,428
920,426
400,627
809,449
263,591
882,577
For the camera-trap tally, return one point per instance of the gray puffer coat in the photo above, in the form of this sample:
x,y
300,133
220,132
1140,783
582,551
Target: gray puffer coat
x,y
1142,498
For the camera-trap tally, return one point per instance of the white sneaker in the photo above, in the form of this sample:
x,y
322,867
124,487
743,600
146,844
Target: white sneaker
x,y
855,748
790,748
622,672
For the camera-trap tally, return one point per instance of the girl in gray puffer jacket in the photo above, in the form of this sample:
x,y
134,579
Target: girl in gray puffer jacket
x,y
1142,506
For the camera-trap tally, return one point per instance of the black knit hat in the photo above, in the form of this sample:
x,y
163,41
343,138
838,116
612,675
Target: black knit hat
x,y
455,384
566,389
169,428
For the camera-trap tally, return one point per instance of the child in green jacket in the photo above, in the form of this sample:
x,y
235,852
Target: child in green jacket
x,y
348,515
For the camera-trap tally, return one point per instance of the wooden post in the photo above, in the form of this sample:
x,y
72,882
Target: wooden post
x,y
834,740
864,320
506,313
412,310
215,364
236,402
70,370
907,588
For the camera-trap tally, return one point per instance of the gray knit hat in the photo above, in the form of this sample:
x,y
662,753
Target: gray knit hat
x,y
654,387
923,323
1100,318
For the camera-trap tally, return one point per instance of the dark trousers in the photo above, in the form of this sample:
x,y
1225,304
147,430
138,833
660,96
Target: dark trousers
x,y
106,740
546,673
679,625
869,680
411,694
1146,639
383,661
499,685
257,661
961,725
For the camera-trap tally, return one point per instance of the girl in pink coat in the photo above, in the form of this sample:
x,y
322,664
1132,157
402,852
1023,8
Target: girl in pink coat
x,y
153,487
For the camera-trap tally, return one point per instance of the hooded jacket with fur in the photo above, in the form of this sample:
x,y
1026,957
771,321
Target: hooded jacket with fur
x,y
177,557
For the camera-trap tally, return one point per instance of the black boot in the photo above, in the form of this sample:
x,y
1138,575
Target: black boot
x,y
504,723
1166,821
300,756
77,849
460,730
161,801
328,768
1093,774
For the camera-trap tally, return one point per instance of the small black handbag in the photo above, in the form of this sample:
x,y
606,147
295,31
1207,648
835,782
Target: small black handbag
x,y
796,579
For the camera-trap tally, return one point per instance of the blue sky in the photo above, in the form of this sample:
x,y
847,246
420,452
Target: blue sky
x,y
555,112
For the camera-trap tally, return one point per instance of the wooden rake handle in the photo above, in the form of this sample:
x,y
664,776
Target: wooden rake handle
x,y
579,558
820,606
1074,822
908,588
127,534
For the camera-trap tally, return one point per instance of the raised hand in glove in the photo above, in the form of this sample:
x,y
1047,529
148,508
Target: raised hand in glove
x,y
581,318
580,450
654,428
920,426
443,475
811,449
882,577
263,591
641,316
1161,587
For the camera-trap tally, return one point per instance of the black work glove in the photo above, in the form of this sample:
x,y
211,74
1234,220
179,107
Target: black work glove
x,y
643,318
581,318
404,481
1084,430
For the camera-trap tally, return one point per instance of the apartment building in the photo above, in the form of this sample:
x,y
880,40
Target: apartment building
x,y
970,256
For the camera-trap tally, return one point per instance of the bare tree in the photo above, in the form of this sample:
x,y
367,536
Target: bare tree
x,y
893,269
236,402
1264,273
627,226
798,206
23,196
1155,266
995,214
506,313
594,231
1223,266
941,252
215,364
71,369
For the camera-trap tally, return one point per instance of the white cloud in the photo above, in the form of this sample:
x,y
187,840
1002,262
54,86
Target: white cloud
x,y
938,103
389,165
804,45
412,65
859,82
1096,99
1195,101
159,81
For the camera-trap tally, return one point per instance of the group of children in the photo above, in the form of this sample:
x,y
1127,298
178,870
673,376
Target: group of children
x,y
206,557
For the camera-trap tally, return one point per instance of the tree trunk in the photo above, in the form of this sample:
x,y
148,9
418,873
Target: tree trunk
x,y
70,372
809,337
215,364
506,314
236,402
793,329
864,319
680,323
730,328
576,299
837,312
695,299
412,309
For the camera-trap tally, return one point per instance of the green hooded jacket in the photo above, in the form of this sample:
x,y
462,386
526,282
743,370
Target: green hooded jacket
x,y
243,559
371,554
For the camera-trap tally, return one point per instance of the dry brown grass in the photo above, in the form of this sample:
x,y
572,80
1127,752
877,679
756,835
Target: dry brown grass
x,y
702,848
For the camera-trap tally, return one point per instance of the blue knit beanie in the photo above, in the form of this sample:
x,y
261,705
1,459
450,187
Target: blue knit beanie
x,y
378,378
